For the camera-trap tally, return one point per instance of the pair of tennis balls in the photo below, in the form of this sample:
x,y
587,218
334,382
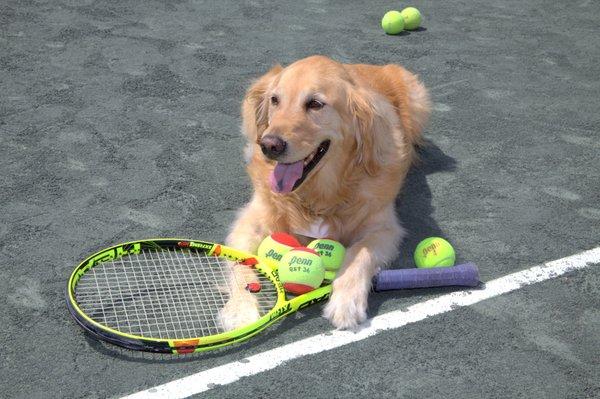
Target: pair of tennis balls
x,y
301,269
394,22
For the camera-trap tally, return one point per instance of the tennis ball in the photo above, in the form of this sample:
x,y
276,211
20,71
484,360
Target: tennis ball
x,y
332,253
272,248
301,270
411,17
434,252
392,22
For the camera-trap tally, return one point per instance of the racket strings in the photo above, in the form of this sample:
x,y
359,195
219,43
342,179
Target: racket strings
x,y
167,294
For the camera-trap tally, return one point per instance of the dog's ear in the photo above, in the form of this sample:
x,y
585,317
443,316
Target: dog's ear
x,y
255,105
404,91
368,127
414,109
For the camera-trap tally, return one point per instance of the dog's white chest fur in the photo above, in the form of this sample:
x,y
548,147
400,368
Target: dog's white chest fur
x,y
318,229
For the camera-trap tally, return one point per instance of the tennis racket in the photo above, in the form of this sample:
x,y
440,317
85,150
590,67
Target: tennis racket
x,y
165,295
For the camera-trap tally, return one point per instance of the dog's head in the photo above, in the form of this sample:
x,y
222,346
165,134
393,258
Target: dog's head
x,y
309,123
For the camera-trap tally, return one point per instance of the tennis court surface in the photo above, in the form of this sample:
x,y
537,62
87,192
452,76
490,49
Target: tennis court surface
x,y
120,121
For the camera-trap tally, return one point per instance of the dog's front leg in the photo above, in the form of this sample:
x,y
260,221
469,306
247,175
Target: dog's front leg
x,y
252,225
376,247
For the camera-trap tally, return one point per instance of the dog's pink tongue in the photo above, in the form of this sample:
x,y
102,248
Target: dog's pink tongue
x,y
285,175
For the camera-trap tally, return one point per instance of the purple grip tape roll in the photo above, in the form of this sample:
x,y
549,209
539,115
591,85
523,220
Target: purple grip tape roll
x,y
466,274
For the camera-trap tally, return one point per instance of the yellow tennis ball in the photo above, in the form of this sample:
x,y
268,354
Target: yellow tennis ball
x,y
332,252
411,17
301,270
392,22
434,252
272,248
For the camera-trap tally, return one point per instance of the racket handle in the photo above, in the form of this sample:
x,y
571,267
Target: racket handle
x,y
466,274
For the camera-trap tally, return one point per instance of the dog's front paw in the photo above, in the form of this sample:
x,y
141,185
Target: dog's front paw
x,y
346,309
238,312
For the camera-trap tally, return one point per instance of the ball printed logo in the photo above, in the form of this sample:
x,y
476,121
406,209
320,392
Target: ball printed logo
x,y
299,261
431,248
324,246
324,249
274,255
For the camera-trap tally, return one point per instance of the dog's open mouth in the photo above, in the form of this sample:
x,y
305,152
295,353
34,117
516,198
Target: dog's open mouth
x,y
286,177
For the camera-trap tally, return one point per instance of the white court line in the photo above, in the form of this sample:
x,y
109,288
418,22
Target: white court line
x,y
231,372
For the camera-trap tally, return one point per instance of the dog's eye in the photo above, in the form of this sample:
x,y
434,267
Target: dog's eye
x,y
274,100
314,104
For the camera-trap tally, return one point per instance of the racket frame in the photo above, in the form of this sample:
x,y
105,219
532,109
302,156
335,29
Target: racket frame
x,y
282,306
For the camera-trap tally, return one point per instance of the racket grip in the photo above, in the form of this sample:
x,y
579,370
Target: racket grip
x,y
466,274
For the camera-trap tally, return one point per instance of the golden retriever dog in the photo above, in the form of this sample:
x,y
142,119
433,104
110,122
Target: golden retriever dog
x,y
329,147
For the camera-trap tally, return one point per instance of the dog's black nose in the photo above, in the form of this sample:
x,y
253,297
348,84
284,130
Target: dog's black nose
x,y
272,146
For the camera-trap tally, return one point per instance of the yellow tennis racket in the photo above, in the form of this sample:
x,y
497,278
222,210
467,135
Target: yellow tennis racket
x,y
165,295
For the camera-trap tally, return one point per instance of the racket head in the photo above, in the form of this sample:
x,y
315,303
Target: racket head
x,y
132,278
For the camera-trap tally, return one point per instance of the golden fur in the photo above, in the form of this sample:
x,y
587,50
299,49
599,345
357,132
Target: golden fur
x,y
373,116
